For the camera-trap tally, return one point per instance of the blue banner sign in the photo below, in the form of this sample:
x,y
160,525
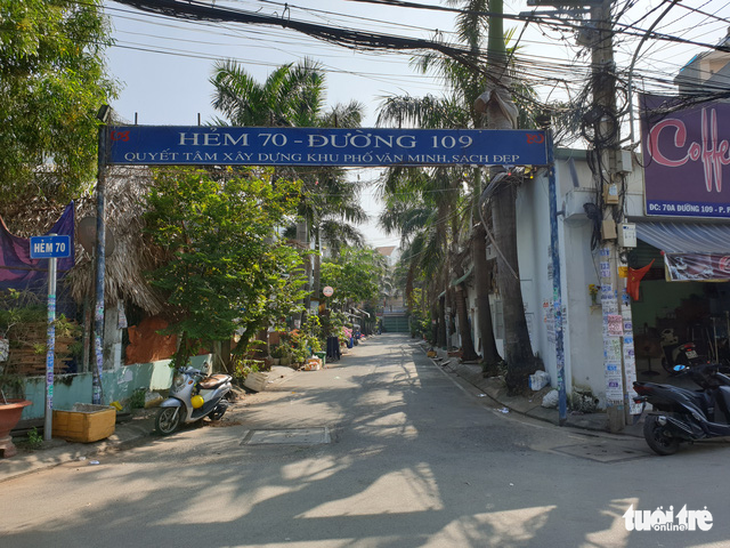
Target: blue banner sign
x,y
201,145
50,247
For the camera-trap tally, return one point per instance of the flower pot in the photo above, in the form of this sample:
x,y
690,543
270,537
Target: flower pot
x,y
9,417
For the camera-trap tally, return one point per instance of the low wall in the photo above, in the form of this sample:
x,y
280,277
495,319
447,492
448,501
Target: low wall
x,y
118,385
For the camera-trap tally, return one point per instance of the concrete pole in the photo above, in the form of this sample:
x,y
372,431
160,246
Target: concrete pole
x,y
619,360
98,391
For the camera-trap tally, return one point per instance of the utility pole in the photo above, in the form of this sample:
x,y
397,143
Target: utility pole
x,y
618,345
98,385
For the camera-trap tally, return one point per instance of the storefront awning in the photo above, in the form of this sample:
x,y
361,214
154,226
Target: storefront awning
x,y
685,237
692,252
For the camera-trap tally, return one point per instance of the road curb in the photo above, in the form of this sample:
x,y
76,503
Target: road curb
x,y
493,388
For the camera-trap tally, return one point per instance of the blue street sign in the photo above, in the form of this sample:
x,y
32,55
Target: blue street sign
x,y
201,145
50,247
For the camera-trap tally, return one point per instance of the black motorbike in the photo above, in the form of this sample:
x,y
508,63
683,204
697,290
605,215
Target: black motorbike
x,y
682,415
676,353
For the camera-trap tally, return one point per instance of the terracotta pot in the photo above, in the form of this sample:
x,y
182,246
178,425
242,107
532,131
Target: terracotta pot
x,y
9,417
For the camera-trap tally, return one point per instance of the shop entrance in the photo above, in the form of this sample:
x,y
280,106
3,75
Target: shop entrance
x,y
671,314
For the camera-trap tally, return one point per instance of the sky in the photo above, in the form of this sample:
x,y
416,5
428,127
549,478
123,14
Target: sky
x,y
163,64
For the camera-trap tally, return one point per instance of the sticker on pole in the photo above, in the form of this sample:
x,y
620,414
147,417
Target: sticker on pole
x,y
50,247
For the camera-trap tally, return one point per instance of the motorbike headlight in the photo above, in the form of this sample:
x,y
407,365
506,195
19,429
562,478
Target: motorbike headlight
x,y
178,381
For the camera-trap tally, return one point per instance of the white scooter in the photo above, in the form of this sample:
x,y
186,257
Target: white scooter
x,y
193,395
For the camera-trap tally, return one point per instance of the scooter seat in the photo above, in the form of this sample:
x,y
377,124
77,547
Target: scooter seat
x,y
213,381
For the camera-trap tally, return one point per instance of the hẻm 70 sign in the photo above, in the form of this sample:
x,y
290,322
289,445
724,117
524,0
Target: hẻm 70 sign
x,y
200,145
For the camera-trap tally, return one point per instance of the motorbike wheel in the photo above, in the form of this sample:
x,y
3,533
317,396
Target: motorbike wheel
x,y
218,412
168,420
657,438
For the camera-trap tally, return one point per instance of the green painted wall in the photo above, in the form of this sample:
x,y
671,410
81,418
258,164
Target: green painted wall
x,y
118,385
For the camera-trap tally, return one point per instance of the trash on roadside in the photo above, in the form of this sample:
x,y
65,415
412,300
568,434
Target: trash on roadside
x,y
152,399
312,364
93,462
550,400
504,410
539,380
481,395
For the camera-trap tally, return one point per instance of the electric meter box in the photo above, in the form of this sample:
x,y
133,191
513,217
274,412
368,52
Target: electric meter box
x,y
627,235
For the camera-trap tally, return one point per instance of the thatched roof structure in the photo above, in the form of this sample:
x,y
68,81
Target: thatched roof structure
x,y
133,253
126,188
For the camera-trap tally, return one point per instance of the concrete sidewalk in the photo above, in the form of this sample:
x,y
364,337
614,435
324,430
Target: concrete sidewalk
x,y
531,406
140,427
128,432
55,452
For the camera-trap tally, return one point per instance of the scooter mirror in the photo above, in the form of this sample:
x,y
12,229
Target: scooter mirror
x,y
679,368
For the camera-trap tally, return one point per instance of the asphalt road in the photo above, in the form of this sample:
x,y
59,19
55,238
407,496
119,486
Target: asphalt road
x,y
383,449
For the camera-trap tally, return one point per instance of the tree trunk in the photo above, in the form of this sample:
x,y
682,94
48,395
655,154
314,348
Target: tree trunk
x,y
517,349
490,354
468,354
434,324
502,114
441,341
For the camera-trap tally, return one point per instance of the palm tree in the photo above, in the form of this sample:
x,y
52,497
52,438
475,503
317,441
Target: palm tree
x,y
455,111
471,27
502,113
415,215
424,205
294,95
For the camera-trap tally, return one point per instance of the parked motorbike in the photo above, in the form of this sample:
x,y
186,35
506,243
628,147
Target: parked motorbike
x,y
676,353
193,395
682,415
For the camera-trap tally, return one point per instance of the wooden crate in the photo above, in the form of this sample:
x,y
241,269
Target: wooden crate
x,y
84,423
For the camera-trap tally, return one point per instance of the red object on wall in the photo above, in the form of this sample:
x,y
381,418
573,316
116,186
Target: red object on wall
x,y
635,276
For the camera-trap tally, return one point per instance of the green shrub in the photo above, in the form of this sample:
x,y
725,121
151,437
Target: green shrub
x,y
137,400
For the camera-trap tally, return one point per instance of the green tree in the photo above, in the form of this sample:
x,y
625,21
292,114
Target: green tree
x,y
52,83
227,269
501,112
468,86
355,275
294,95
438,190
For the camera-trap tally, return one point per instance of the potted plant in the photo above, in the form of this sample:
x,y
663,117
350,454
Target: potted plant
x,y
17,309
12,403
277,352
